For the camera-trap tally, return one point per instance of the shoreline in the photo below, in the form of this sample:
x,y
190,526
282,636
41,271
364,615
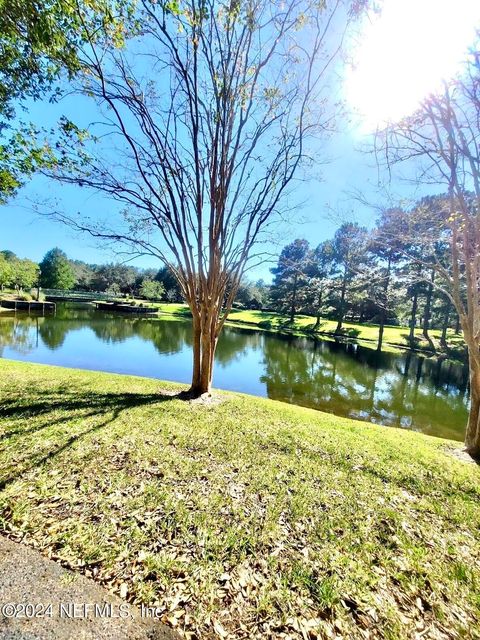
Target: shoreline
x,y
276,324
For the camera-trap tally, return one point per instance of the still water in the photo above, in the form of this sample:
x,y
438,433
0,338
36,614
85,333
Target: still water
x,y
405,390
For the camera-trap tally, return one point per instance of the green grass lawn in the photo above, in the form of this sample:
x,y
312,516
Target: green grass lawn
x,y
243,517
367,334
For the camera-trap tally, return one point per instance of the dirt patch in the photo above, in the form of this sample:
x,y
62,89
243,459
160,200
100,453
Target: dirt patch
x,y
212,399
460,454
208,400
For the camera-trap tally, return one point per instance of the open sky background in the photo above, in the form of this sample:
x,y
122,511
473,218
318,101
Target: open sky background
x,y
399,56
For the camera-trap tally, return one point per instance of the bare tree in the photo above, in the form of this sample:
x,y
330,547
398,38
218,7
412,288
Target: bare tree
x,y
444,136
208,113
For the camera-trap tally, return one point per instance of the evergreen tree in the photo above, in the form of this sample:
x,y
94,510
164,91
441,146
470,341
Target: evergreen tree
x,y
84,274
56,271
319,271
291,277
387,248
170,284
252,295
25,274
349,247
18,273
115,278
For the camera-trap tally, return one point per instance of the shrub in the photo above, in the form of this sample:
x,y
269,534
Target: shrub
x,y
265,324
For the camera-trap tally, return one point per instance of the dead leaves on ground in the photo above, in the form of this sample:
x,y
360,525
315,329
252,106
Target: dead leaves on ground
x,y
236,600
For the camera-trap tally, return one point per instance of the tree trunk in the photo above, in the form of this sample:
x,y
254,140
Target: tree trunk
x,y
294,300
383,310
443,339
457,325
380,332
341,312
319,317
197,354
472,436
427,312
411,337
205,340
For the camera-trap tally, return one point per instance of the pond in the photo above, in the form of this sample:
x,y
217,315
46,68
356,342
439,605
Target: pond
x,y
405,390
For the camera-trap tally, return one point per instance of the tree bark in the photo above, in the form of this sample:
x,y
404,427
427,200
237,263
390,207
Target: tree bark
x,y
383,310
411,337
197,354
205,338
443,339
294,300
427,311
472,437
341,312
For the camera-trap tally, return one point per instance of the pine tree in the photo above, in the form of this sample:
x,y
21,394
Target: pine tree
x,y
291,277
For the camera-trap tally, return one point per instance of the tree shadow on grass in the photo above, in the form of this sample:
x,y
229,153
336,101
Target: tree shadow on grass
x,y
182,313
289,325
37,402
315,327
414,344
347,332
73,407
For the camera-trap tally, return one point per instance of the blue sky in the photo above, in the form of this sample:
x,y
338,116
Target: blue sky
x,y
30,235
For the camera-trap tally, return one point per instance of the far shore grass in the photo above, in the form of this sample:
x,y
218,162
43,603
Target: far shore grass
x,y
394,337
241,518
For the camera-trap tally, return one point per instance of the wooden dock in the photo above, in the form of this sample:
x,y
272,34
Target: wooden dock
x,y
118,307
28,305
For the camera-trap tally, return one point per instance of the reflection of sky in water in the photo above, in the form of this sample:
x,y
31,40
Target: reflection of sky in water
x,y
401,390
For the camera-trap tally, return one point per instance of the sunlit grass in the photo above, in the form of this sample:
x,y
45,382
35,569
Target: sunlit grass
x,y
394,337
244,515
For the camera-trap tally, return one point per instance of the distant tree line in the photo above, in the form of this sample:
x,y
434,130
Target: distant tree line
x,y
17,273
57,271
384,276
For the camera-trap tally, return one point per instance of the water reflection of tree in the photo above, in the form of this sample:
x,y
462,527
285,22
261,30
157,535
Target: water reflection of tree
x,y
20,333
406,390
236,343
53,333
349,380
167,337
113,330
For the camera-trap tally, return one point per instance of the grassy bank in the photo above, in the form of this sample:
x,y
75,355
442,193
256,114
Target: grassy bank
x,y
241,518
394,337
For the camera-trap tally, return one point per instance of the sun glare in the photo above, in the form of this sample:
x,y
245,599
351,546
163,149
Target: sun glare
x,y
403,54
